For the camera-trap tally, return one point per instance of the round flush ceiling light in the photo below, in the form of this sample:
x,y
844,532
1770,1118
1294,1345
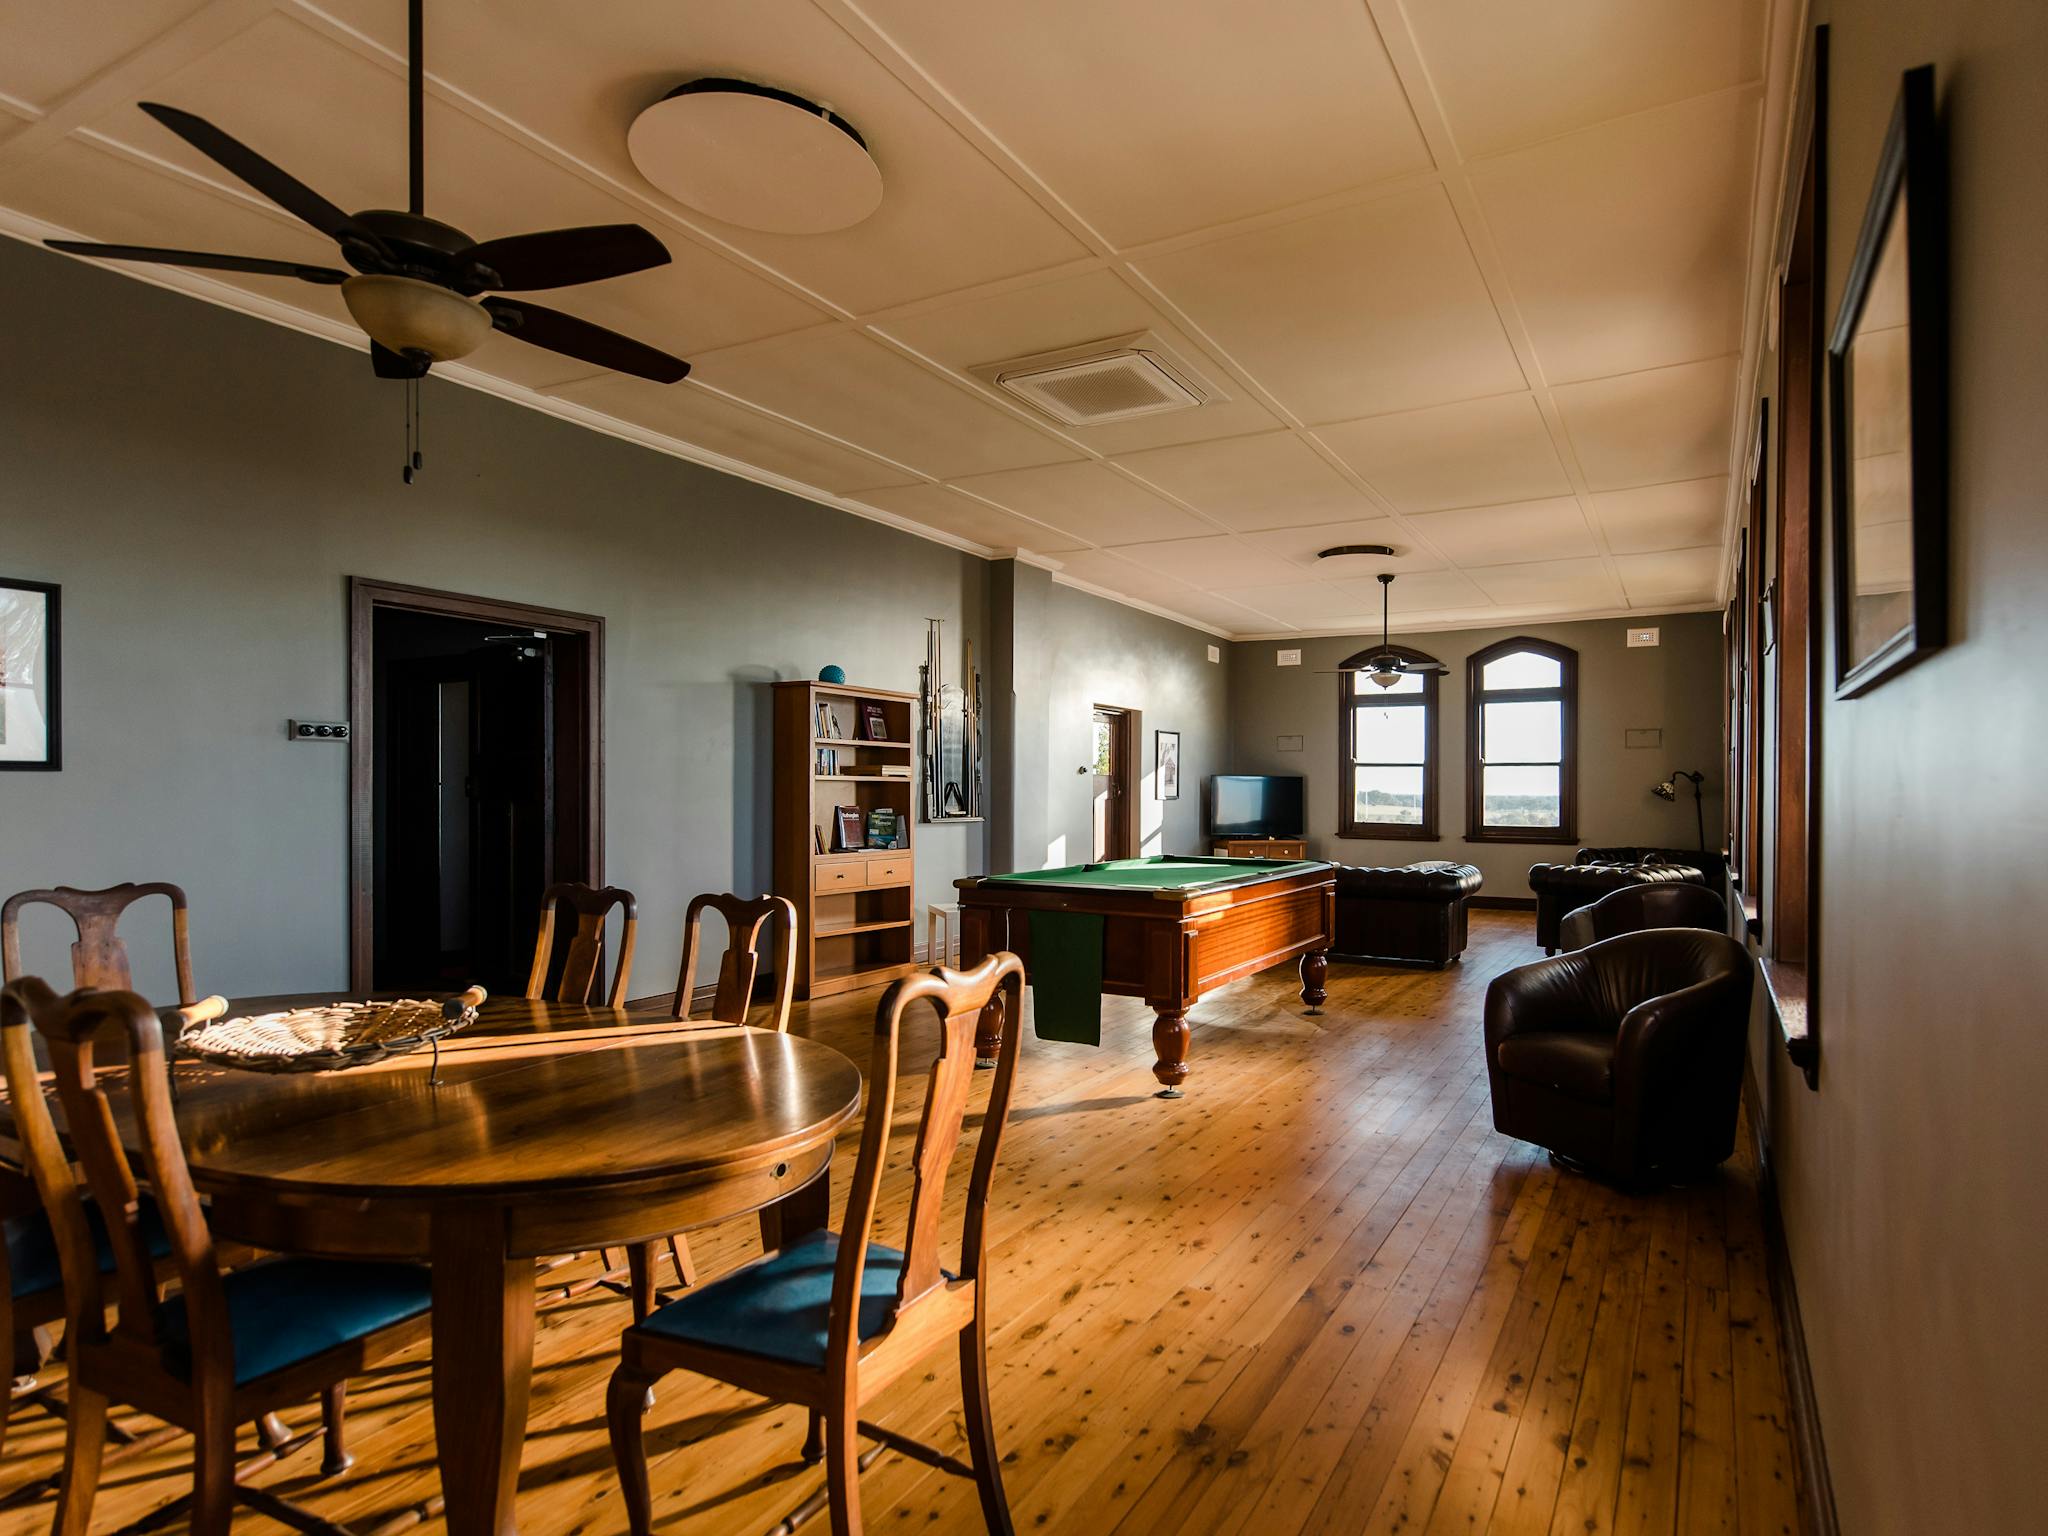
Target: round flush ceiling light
x,y
757,157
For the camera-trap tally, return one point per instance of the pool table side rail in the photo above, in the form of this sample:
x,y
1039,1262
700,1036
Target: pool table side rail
x,y
1168,954
1270,870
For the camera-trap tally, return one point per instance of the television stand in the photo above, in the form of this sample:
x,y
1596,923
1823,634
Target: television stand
x,y
1259,848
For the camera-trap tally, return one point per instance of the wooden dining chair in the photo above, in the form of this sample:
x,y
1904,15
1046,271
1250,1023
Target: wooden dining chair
x,y
740,967
585,959
31,1291
832,1319
230,1347
732,1000
579,975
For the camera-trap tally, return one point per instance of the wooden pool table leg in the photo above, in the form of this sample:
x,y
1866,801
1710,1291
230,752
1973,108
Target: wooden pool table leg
x,y
1170,1040
988,1032
1315,970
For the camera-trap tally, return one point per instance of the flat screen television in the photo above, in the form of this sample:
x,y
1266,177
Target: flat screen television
x,y
1255,805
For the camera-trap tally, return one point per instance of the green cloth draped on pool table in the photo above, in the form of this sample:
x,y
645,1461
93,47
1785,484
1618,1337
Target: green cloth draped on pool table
x,y
1066,976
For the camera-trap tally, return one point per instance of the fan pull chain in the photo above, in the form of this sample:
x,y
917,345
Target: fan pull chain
x,y
414,430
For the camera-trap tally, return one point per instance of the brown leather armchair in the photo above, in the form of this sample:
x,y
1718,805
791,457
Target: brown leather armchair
x,y
1625,1058
1636,907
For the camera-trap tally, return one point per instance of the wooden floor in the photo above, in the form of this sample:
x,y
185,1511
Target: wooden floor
x,y
1320,1294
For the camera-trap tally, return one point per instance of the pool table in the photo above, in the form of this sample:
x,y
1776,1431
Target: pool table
x,y
1172,929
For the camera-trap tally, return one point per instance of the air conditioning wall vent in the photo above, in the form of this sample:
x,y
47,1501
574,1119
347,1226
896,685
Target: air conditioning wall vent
x,y
1102,381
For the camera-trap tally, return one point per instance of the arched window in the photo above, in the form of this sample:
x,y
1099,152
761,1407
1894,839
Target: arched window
x,y
1387,751
1520,743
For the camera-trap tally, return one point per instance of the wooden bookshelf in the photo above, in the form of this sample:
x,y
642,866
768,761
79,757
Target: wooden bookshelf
x,y
855,915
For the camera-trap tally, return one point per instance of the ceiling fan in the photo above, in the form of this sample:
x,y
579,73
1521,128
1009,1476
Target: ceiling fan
x,y
1385,666
415,285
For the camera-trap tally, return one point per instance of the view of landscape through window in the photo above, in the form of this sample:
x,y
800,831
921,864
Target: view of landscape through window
x,y
1521,742
1389,745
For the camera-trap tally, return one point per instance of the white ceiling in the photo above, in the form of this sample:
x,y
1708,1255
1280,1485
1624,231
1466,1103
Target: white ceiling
x,y
1471,274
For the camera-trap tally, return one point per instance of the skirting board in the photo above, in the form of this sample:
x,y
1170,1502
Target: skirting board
x,y
1502,903
1816,1490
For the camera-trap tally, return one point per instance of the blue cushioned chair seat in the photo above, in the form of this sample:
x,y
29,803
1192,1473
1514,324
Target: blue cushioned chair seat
x,y
781,1306
32,1247
291,1310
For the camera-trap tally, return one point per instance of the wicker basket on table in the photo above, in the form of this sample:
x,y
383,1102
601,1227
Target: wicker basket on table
x,y
327,1037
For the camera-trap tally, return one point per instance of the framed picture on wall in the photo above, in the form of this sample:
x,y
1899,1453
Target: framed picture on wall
x,y
31,718
1166,763
1888,413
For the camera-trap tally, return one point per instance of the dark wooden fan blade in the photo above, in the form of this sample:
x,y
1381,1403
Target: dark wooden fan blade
x,y
260,265
281,187
557,332
555,258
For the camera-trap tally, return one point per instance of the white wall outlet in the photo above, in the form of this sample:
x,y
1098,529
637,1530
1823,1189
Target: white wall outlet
x,y
1287,658
1638,638
1215,653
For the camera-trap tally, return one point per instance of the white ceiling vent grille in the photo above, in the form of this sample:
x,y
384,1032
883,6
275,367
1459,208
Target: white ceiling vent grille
x,y
1102,382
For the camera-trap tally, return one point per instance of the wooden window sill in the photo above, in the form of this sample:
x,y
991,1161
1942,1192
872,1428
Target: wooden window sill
x,y
1786,987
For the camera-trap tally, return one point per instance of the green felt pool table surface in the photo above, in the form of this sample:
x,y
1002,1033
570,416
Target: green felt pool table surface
x,y
1166,875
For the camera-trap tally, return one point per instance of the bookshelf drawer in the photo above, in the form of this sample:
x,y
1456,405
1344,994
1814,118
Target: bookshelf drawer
x,y
842,876
890,871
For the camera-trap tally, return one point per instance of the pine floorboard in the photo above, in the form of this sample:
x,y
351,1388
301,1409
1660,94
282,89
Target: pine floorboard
x,y
1319,1295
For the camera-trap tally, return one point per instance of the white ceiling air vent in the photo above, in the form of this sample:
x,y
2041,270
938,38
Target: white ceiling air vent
x,y
1103,381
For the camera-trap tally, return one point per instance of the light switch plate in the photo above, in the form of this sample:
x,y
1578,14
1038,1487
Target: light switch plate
x,y
1637,738
316,730
1215,653
1287,658
1638,638
1287,743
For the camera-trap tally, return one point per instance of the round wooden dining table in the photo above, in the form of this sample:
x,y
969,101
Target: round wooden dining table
x,y
547,1128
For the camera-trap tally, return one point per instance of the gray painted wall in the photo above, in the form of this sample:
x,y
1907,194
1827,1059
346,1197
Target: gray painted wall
x,y
203,484
1911,1180
1674,687
1103,653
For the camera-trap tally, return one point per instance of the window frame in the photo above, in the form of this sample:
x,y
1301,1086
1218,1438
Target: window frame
x,y
1428,701
1566,695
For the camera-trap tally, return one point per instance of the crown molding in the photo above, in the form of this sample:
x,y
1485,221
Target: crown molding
x,y
1494,621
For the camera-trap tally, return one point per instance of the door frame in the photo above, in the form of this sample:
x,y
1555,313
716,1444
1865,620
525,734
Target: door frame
x,y
1122,832
365,597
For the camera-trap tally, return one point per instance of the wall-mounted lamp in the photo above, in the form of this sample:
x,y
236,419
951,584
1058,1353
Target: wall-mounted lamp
x,y
1668,790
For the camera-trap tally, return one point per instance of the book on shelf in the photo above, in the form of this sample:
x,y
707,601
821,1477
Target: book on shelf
x,y
875,770
828,760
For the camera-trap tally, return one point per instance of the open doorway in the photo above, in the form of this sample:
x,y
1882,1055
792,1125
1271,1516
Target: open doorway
x,y
1116,785
475,782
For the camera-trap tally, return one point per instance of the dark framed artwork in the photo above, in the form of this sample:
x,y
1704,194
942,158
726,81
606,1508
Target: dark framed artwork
x,y
31,676
1888,413
1166,763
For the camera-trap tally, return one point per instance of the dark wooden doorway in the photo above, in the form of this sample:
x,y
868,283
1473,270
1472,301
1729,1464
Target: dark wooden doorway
x,y
1115,813
475,781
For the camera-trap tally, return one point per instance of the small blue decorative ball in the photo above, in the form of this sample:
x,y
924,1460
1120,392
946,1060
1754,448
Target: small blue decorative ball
x,y
832,673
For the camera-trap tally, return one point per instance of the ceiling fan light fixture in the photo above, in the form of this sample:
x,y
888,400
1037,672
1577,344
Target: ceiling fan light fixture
x,y
1385,677
409,315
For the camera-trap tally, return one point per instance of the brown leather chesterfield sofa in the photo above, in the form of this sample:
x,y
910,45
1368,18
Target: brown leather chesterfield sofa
x,y
1636,907
1593,872
1625,1058
1411,913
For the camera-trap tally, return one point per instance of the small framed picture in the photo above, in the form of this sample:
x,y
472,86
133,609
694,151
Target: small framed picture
x,y
1888,410
31,718
1166,763
874,721
852,828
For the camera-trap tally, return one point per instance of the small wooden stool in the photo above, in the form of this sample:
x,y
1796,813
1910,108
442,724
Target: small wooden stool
x,y
946,915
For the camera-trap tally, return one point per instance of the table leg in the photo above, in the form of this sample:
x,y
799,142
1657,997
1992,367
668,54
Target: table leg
x,y
988,1031
1315,971
1170,1035
798,1214
483,1367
